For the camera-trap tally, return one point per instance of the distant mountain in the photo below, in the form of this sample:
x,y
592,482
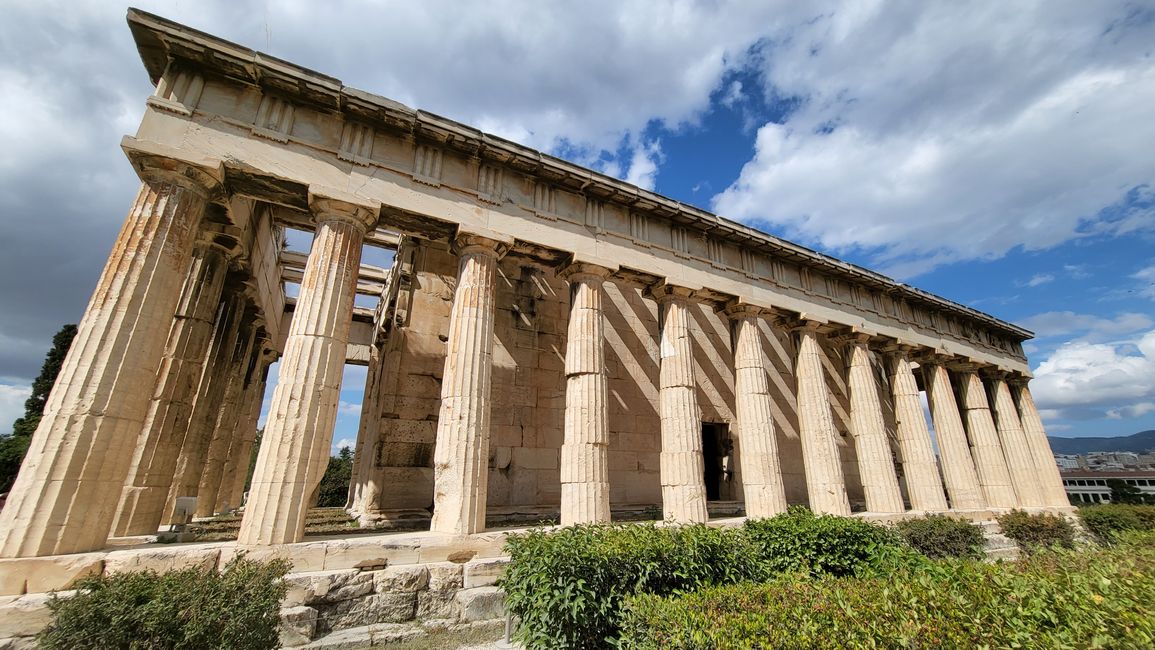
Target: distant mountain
x,y
1138,443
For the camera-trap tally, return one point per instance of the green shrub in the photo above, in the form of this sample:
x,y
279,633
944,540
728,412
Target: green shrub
x,y
802,542
1054,599
1035,531
566,586
1108,520
940,536
188,609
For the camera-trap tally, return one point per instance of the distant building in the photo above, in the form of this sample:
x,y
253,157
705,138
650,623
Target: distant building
x,y
1067,462
1085,486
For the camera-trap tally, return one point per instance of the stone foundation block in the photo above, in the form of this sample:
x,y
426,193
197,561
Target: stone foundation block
x,y
161,560
327,586
437,605
298,625
27,615
446,576
484,573
378,608
481,603
18,643
32,575
401,579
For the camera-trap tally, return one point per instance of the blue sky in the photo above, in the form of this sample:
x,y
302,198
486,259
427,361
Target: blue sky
x,y
998,154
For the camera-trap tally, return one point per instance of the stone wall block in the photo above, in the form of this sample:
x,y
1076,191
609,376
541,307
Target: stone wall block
x,y
481,604
446,576
958,467
161,559
825,484
376,608
329,586
990,464
484,573
875,466
27,615
34,575
401,579
298,625
65,497
919,465
1016,449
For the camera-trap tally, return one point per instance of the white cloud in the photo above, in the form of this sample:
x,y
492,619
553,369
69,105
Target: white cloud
x,y
643,170
348,408
1147,279
1084,380
936,132
344,442
1040,279
12,400
1090,327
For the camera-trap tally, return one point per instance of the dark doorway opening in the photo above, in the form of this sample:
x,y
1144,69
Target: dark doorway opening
x,y
715,452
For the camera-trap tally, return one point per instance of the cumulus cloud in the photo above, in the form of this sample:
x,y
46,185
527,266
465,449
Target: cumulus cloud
x,y
1093,380
1039,279
929,133
348,408
344,442
1087,326
1146,278
12,400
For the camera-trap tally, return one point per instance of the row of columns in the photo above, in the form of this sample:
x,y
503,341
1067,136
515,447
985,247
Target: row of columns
x,y
126,431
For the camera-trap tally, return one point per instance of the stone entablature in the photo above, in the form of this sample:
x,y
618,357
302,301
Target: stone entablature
x,y
218,104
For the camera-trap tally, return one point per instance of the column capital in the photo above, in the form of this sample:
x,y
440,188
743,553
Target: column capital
x,y
224,237
326,208
203,181
576,271
466,242
994,373
741,310
664,292
799,323
852,336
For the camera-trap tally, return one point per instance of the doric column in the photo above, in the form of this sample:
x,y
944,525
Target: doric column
x,y
232,491
990,463
875,463
825,483
756,441
958,468
210,393
919,467
66,494
154,458
1016,450
681,465
585,476
461,455
303,410
229,413
364,455
1050,479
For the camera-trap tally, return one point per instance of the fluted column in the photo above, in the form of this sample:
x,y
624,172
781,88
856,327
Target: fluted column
x,y
958,468
229,413
756,441
875,463
461,455
210,393
66,494
1051,481
232,491
990,463
1016,450
364,455
154,458
585,476
303,410
825,483
681,466
919,467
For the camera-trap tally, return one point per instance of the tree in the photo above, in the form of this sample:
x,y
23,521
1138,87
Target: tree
x,y
334,489
13,447
1124,492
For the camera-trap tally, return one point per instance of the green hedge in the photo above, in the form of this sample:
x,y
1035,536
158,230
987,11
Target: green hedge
x,y
1055,599
567,586
1108,520
187,609
1034,531
942,536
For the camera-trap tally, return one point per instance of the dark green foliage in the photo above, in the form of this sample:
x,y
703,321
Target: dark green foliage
x,y
1054,599
1108,520
941,536
334,490
802,542
1031,532
186,609
1125,493
566,586
13,447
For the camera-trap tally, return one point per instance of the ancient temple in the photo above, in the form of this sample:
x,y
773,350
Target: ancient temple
x,y
548,340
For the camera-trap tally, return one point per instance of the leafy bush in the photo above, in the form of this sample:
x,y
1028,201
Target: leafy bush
x,y
802,542
566,586
188,609
941,536
1108,520
1034,531
1055,599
